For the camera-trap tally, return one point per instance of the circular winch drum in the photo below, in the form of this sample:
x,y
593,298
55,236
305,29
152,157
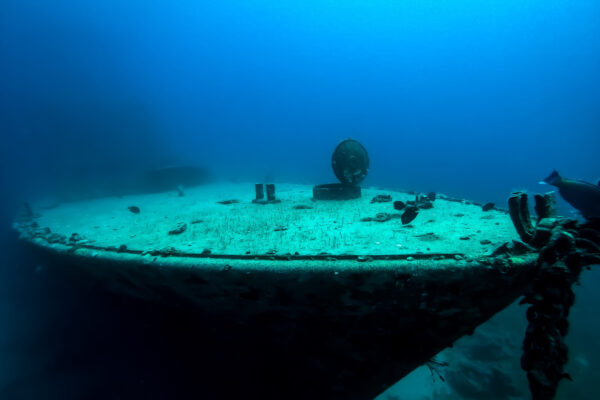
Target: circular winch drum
x,y
336,191
350,163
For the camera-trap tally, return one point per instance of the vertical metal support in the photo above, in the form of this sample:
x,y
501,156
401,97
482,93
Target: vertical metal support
x,y
260,194
270,192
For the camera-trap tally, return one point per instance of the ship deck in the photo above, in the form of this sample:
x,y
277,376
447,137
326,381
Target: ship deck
x,y
336,306
297,228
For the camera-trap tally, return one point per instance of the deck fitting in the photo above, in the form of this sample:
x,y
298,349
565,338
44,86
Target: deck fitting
x,y
260,194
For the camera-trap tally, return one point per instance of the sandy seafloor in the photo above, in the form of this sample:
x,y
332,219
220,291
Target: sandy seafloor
x,y
61,339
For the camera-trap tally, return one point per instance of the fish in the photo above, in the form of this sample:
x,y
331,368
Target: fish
x,y
582,195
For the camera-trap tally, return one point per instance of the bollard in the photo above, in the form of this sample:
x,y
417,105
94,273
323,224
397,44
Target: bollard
x,y
270,192
260,194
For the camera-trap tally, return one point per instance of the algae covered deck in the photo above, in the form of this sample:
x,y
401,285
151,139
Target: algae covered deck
x,y
298,291
198,224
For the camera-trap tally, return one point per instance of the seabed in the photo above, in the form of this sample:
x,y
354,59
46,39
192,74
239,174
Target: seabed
x,y
305,297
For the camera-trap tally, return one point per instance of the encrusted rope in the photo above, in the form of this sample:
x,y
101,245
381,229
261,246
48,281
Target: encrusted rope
x,y
566,247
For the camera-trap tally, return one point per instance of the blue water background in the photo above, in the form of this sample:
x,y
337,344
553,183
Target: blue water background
x,y
470,98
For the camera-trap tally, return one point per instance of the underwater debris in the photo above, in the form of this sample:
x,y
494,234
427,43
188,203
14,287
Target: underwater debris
x,y
164,252
57,238
515,248
409,215
381,198
168,251
488,206
519,248
134,209
421,202
197,221
381,217
280,228
425,205
75,237
428,237
302,207
485,241
399,205
180,192
431,196
181,227
434,368
227,202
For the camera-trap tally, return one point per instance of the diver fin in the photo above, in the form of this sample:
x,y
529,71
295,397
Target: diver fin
x,y
554,178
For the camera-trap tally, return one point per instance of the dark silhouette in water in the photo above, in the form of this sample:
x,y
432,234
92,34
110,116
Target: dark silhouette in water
x,y
584,196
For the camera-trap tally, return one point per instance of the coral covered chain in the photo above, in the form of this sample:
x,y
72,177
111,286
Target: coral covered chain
x,y
566,247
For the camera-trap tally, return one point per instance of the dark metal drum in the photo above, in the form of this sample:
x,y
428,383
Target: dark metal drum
x,y
350,162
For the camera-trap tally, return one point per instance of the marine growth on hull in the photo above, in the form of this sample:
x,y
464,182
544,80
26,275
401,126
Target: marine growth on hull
x,y
398,275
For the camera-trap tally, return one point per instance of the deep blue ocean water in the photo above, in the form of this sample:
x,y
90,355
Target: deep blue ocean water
x,y
470,98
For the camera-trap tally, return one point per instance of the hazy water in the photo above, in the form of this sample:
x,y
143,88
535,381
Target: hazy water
x,y
471,98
